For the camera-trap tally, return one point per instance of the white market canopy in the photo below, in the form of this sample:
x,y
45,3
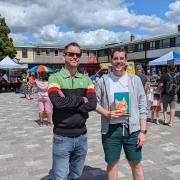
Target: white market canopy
x,y
172,57
8,63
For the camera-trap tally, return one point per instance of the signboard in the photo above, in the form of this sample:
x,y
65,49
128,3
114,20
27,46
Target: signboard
x,y
105,65
131,67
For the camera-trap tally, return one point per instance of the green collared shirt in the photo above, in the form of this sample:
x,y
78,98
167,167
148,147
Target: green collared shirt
x,y
66,81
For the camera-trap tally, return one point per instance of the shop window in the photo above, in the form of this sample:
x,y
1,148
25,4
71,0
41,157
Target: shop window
x,y
38,52
56,52
47,52
164,43
152,45
24,53
140,47
177,41
131,48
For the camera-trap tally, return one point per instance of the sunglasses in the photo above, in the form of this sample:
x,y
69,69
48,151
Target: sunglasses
x,y
72,54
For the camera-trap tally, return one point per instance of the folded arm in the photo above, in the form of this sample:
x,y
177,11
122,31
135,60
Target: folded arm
x,y
90,105
57,98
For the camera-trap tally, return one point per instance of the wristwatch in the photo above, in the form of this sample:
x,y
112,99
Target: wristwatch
x,y
144,131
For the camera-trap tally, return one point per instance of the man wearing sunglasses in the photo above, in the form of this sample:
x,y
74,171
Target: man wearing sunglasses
x,y
73,96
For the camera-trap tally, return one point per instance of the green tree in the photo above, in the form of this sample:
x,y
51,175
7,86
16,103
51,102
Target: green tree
x,y
6,43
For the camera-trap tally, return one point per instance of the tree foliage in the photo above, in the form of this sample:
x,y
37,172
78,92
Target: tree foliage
x,y
6,43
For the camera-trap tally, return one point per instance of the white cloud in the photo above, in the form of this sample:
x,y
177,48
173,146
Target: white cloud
x,y
78,15
42,18
174,11
26,17
52,33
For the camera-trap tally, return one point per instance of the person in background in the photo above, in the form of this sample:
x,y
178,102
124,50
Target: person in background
x,y
148,70
155,105
159,74
169,85
143,77
149,93
140,73
95,77
24,85
118,129
19,83
4,81
31,84
44,102
163,70
4,76
73,96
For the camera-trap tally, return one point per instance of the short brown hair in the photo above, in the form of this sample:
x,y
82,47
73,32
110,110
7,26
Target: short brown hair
x,y
118,50
71,44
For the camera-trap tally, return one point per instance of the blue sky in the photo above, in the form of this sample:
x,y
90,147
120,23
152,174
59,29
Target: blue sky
x,y
149,7
94,22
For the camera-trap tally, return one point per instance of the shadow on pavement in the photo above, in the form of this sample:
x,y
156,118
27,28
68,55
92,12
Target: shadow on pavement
x,y
48,177
160,121
45,122
89,173
149,120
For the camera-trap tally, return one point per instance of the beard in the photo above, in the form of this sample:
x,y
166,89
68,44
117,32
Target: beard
x,y
72,63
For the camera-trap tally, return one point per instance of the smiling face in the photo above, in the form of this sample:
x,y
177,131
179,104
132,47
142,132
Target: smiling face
x,y
119,62
72,56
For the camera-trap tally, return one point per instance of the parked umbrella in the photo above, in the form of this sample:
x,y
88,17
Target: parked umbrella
x,y
41,68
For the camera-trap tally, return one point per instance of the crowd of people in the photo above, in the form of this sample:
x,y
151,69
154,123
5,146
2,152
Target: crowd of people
x,y
161,88
29,84
122,100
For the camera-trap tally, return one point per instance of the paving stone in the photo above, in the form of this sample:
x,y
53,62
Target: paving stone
x,y
165,133
26,148
173,157
34,163
32,145
5,156
174,169
4,177
147,162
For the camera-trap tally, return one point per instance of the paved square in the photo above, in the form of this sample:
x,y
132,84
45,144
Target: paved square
x,y
25,148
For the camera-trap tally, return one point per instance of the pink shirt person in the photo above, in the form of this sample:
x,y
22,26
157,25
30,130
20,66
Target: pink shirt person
x,y
44,102
43,98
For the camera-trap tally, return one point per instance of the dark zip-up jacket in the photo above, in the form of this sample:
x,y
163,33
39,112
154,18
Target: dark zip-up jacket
x,y
70,112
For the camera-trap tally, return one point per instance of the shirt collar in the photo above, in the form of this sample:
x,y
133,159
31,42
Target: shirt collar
x,y
117,77
65,74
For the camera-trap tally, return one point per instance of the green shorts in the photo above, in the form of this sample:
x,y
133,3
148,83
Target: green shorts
x,y
114,140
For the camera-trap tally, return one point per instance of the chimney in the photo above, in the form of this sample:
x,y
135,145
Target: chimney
x,y
178,28
132,37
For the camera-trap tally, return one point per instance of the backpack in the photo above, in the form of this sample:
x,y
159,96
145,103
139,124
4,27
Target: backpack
x,y
171,87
